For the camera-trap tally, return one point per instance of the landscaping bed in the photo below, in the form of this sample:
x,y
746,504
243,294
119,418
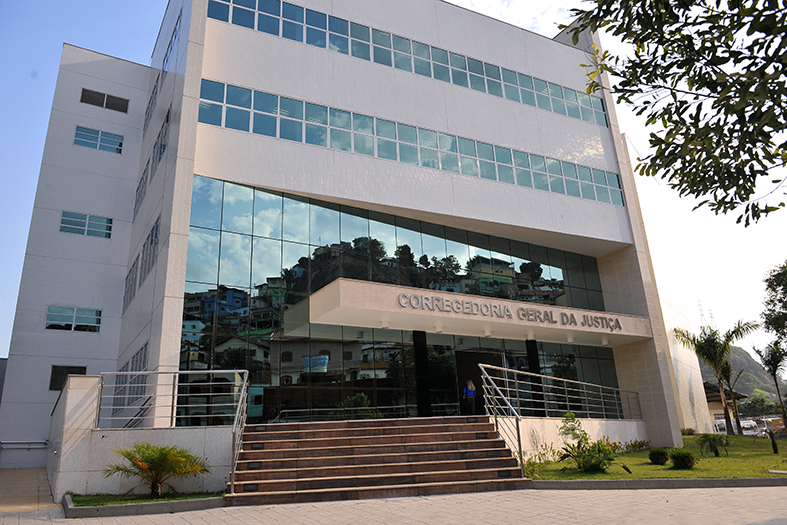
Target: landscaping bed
x,y
746,457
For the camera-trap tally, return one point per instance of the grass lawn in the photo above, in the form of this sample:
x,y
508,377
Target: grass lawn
x,y
748,458
97,500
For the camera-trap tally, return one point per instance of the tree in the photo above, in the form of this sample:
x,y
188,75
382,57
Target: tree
x,y
726,374
715,349
774,361
775,314
155,465
712,75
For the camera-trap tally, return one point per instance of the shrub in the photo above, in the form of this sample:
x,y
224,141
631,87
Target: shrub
x,y
636,445
589,456
682,458
686,431
658,456
155,465
712,443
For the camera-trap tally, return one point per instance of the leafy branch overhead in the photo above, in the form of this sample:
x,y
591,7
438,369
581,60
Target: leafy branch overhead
x,y
711,77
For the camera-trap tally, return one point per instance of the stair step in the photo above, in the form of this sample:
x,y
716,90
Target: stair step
x,y
375,469
273,444
371,459
373,480
366,423
279,435
399,448
385,491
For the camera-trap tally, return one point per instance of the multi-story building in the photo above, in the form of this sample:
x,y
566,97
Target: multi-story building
x,y
344,198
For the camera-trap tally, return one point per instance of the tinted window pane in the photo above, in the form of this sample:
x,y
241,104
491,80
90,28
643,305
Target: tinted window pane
x,y
340,140
316,135
210,90
360,50
364,144
235,260
572,188
291,129
339,44
492,71
386,129
360,32
338,25
363,124
449,162
316,114
340,119
206,196
292,12
524,178
494,88
386,149
202,264
505,173
408,154
267,214
440,56
458,61
488,170
503,155
265,102
477,83
404,62
315,37
469,166
237,119
292,31
380,38
541,181
512,92
466,147
486,151
521,160
528,97
324,228
459,77
408,134
382,56
401,44
429,158
243,17
272,7
421,50
218,11
208,113
422,67
475,66
295,220
316,19
265,261
291,108
268,24
441,73
239,96
427,138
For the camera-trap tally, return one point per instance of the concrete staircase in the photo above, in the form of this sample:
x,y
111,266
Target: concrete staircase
x,y
373,458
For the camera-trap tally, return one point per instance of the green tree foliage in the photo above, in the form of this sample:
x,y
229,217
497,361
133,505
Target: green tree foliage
x,y
757,406
775,314
774,361
155,465
711,76
714,349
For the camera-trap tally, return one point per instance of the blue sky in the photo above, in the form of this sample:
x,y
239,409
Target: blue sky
x,y
697,256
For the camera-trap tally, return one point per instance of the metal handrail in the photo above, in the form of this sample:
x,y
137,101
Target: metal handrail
x,y
238,427
542,396
131,404
490,385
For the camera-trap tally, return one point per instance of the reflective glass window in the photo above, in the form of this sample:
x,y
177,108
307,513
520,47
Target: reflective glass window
x,y
429,158
235,260
210,90
524,178
381,38
382,56
291,129
459,77
386,129
441,72
292,12
265,261
292,31
316,135
202,264
440,56
558,106
447,142
449,162
427,138
340,119
272,7
338,43
316,19
237,119
363,124
408,154
458,61
402,61
267,214
363,144
324,228
486,151
421,50
505,173
360,32
315,37
487,170
521,160
295,220
209,113
360,50
408,134
218,11
238,208
401,44
528,97
541,181
338,25
243,17
469,166
422,67
206,200
475,66
503,155
386,149
466,147
264,124
494,88
341,140
268,24
477,83
492,71
316,114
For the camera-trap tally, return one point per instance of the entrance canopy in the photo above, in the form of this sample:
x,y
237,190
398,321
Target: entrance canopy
x,y
374,305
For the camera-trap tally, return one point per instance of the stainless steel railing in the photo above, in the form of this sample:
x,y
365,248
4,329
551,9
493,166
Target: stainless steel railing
x,y
169,399
497,406
238,427
535,395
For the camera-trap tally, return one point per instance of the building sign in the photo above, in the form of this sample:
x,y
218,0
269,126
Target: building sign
x,y
529,314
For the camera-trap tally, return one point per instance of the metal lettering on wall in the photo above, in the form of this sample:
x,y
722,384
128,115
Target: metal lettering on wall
x,y
501,311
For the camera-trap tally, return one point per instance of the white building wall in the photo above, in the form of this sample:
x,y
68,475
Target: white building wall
x,y
66,269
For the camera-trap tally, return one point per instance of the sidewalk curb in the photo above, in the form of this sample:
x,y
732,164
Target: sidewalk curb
x,y
138,509
644,484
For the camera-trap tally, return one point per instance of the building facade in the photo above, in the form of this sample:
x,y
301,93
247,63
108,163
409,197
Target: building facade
x,y
356,201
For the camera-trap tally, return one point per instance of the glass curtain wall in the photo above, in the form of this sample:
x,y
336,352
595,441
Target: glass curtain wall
x,y
255,256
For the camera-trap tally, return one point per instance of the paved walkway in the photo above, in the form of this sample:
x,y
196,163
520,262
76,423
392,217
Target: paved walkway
x,y
23,490
763,505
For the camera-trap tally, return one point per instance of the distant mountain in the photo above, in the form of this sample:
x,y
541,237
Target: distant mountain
x,y
754,380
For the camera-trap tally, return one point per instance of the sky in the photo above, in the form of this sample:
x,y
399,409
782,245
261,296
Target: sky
x,y
697,256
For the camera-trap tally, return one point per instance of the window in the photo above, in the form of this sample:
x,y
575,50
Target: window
x,y
151,104
130,388
160,145
84,224
286,380
347,355
72,319
326,353
95,139
171,47
142,187
131,284
286,357
338,129
102,100
350,38
150,251
59,374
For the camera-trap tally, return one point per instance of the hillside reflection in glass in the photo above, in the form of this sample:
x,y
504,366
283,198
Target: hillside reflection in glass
x,y
255,257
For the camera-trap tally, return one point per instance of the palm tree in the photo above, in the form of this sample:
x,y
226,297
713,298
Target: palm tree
x,y
774,360
714,349
726,374
155,465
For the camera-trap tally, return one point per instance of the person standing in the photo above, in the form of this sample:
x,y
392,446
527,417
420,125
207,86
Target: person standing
x,y
468,398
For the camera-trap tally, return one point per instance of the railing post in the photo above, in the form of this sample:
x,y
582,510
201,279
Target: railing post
x,y
100,399
519,444
174,399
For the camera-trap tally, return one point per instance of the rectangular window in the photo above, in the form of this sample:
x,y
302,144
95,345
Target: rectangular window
x,y
151,104
95,139
59,374
84,224
131,284
102,100
142,187
150,251
72,319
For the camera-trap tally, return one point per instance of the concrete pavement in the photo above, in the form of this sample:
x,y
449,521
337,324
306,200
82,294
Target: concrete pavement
x,y
753,505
